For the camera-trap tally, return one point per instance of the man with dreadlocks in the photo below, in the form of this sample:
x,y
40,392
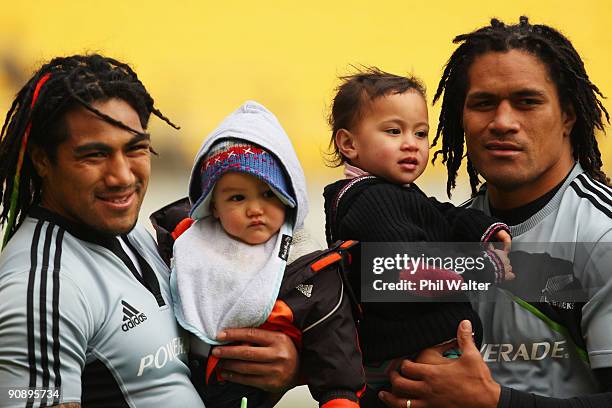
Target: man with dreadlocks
x,y
85,313
519,98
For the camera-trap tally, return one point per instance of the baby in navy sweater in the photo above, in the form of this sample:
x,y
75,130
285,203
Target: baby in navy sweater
x,y
380,134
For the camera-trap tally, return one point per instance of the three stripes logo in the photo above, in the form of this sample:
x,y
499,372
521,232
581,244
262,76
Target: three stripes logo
x,y
305,290
131,316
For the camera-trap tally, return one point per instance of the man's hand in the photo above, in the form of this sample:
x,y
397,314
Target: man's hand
x,y
465,382
269,360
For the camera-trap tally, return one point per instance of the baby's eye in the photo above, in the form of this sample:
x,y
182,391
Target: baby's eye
x,y
236,197
269,194
393,131
422,134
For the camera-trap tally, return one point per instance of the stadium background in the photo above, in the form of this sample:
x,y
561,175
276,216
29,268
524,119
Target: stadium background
x,y
200,60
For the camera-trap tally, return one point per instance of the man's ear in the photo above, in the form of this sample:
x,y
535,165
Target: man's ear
x,y
345,141
40,160
569,119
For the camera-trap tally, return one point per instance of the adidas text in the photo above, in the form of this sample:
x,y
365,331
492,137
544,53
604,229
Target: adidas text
x,y
133,322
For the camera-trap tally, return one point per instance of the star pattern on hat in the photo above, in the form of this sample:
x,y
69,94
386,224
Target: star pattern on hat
x,y
240,156
230,153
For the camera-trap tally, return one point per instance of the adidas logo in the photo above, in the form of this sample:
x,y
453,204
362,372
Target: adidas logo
x,y
131,316
305,290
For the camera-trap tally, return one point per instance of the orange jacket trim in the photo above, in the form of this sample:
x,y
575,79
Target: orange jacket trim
x,y
340,403
281,319
182,227
325,261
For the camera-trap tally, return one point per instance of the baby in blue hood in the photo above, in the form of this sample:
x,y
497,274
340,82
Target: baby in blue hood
x,y
246,261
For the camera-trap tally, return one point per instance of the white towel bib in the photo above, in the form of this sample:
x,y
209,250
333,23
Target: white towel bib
x,y
218,282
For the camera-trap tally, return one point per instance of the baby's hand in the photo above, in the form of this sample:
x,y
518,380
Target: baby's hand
x,y
505,238
502,254
435,354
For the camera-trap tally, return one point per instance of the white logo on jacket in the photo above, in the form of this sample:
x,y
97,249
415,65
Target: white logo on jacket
x,y
166,353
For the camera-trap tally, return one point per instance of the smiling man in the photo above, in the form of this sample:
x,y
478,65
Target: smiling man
x,y
519,98
85,317
99,175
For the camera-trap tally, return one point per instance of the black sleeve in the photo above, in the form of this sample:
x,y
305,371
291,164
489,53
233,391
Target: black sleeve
x,y
390,213
510,398
469,225
493,271
330,358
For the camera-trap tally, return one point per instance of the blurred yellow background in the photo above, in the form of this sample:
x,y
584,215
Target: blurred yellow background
x,y
201,60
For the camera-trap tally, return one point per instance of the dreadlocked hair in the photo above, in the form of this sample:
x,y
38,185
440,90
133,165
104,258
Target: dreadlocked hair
x,y
78,80
565,68
354,95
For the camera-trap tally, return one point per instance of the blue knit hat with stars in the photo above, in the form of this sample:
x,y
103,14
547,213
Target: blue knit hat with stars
x,y
239,156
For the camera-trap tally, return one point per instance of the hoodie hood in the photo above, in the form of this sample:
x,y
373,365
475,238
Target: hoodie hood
x,y
218,282
253,123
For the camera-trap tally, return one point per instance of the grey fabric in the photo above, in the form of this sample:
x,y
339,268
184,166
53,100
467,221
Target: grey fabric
x,y
523,351
103,316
